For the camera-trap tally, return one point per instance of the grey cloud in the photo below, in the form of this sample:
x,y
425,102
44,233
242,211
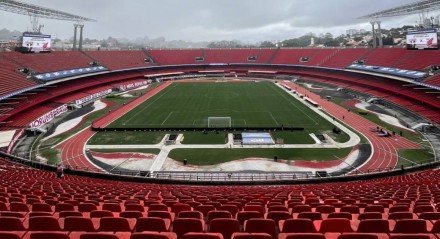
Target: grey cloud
x,y
200,20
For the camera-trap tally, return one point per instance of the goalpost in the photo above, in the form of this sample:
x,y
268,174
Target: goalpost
x,y
219,122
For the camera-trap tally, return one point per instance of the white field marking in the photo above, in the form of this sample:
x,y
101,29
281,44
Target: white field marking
x,y
290,102
234,122
151,103
271,115
167,117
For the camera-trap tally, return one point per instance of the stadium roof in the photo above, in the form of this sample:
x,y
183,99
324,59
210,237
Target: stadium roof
x,y
23,8
408,9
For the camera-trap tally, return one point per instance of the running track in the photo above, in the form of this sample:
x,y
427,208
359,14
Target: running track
x,y
385,148
72,150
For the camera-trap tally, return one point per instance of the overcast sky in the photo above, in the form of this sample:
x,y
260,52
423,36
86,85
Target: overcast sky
x,y
206,20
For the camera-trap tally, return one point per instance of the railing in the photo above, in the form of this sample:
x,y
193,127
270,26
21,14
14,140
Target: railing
x,y
231,177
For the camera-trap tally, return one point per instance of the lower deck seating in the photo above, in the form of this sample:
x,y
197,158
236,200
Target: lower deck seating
x,y
33,204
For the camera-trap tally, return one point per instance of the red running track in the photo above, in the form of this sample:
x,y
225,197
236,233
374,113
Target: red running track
x,y
114,115
72,150
385,148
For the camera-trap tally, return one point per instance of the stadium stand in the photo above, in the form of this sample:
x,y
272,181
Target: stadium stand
x,y
392,90
49,62
344,57
116,60
175,57
36,205
9,73
47,98
237,55
434,80
385,56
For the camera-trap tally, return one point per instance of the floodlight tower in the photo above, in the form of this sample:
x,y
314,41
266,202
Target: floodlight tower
x,y
421,7
36,12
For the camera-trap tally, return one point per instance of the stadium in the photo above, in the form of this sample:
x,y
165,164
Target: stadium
x,y
220,143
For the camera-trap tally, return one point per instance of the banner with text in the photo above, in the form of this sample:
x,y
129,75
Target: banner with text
x,y
49,116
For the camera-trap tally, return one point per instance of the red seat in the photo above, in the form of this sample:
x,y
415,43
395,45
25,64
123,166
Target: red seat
x,y
61,207
301,236
374,208
184,225
325,209
158,207
202,235
350,209
112,207
70,214
41,207
10,235
301,208
11,224
131,214
410,236
87,207
49,235
98,235
3,206
134,207
346,215
370,215
204,209
100,214
80,224
161,214
154,235
277,208
423,208
243,216
233,209
400,215
245,235
310,215
12,214
218,214
114,224
151,224
190,214
18,207
398,208
436,227
261,225
225,226
410,226
335,225
433,216
358,236
278,215
257,208
43,223
374,226
297,226
37,214
179,207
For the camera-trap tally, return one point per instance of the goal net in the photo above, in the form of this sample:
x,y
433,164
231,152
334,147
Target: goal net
x,y
219,122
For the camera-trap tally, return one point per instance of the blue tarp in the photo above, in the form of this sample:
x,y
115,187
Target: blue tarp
x,y
49,76
257,138
415,75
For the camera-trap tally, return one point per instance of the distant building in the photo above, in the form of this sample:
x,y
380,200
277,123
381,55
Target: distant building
x,y
352,32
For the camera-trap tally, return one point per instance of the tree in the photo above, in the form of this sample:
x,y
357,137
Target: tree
x,y
267,44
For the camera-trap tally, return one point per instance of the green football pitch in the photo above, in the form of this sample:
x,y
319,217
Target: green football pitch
x,y
248,104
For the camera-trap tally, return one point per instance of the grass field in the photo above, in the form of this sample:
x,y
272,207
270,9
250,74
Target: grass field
x,y
417,156
247,103
217,156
